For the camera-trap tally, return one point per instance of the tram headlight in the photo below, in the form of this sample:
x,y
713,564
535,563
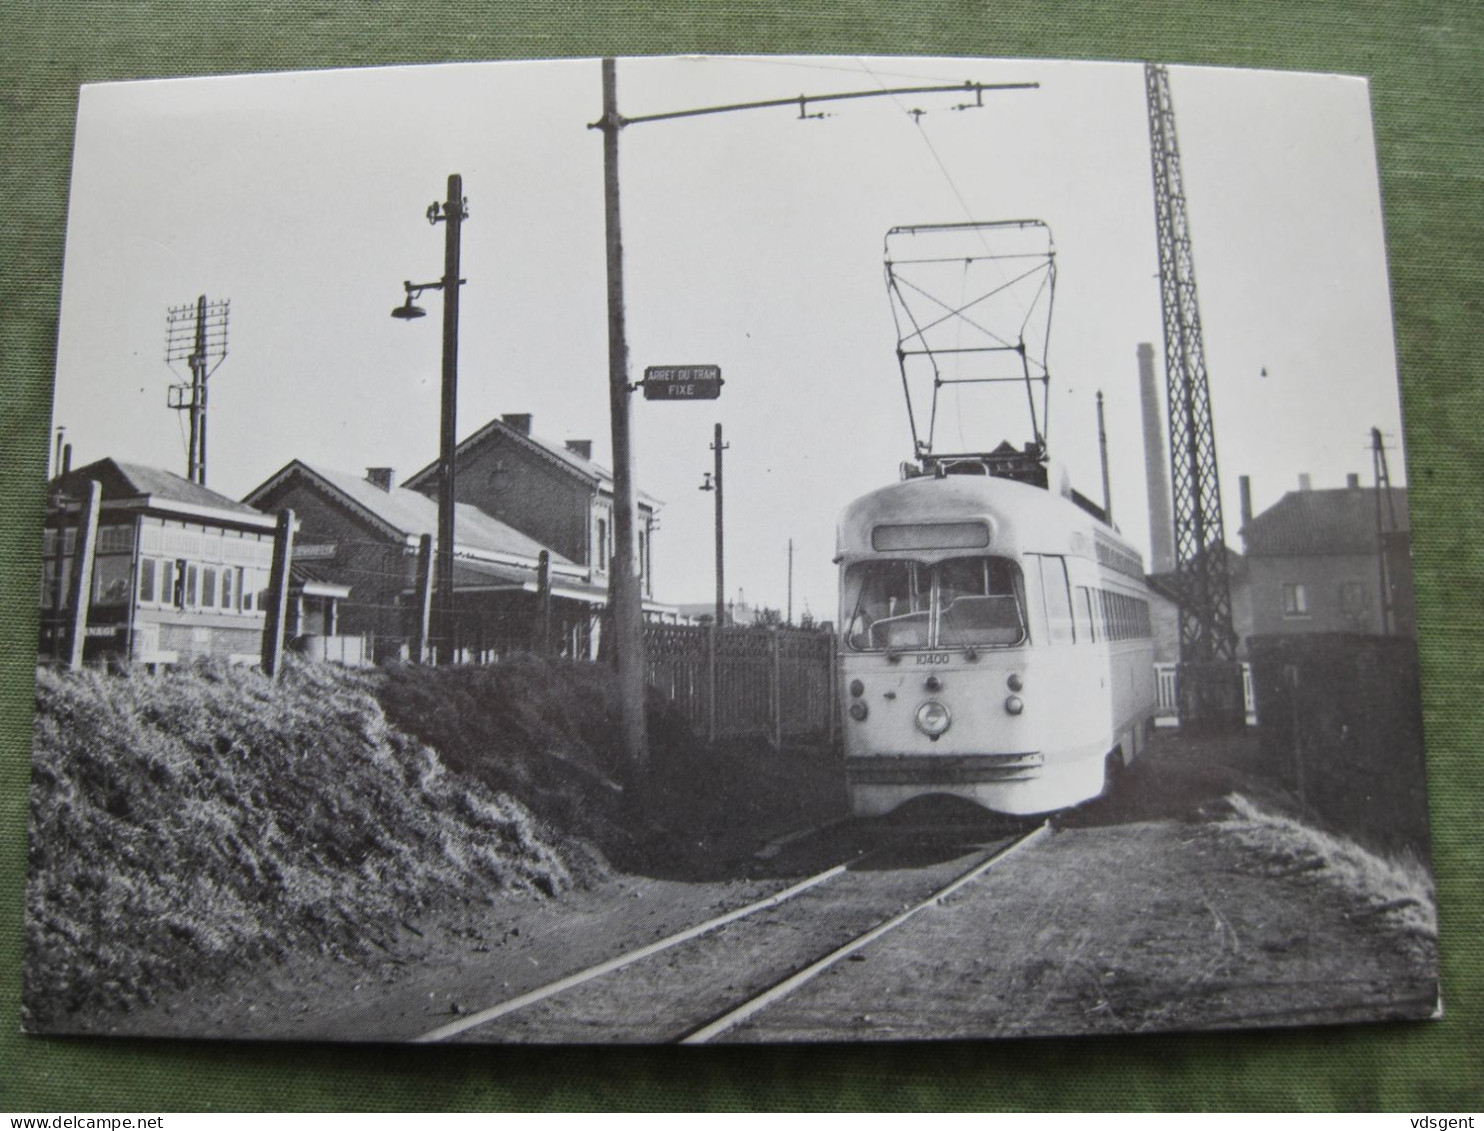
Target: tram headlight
x,y
1014,704
859,711
857,688
933,718
1014,682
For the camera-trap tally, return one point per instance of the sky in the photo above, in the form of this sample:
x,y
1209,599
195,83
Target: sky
x,y
752,241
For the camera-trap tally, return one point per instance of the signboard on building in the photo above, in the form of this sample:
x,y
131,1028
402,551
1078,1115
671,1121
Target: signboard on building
x,y
682,382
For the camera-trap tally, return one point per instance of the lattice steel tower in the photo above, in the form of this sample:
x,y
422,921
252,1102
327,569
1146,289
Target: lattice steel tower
x,y
1210,679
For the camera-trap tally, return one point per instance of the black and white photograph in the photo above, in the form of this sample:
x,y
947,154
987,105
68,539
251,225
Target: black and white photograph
x,y
723,549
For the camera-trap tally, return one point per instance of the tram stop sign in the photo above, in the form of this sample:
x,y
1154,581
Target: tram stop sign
x,y
682,382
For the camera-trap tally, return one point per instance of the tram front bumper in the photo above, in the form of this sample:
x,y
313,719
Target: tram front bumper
x,y
942,769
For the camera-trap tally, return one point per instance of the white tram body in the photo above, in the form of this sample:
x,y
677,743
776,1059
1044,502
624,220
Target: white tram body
x,y
994,645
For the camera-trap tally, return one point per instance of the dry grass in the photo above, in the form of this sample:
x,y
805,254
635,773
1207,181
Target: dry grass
x,y
1400,888
189,824
548,733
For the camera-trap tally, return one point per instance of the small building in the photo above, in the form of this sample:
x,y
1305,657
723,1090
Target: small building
x,y
1325,561
364,532
179,571
737,613
553,493
1164,608
1164,620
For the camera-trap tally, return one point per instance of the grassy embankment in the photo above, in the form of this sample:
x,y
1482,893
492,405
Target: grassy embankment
x,y
190,824
1397,885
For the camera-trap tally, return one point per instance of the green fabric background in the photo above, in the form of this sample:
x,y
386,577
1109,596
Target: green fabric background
x,y
1426,65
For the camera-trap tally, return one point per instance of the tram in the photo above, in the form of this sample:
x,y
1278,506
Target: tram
x,y
994,644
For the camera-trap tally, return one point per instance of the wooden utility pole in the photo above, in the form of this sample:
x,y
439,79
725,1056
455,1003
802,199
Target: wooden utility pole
x,y
451,213
423,594
452,216
1385,531
627,617
543,604
196,333
80,590
721,587
789,620
278,594
627,614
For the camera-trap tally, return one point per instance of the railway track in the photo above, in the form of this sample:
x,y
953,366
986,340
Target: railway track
x,y
698,984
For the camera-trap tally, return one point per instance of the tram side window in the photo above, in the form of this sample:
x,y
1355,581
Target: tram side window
x,y
1123,617
980,601
1058,598
892,608
1084,615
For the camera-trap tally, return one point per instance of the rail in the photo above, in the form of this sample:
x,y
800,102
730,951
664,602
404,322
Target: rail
x,y
739,1012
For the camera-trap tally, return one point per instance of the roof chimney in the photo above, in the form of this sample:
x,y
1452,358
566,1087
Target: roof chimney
x,y
517,422
583,448
381,476
1352,481
1305,482
1245,483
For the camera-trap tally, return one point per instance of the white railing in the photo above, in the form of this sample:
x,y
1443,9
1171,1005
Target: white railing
x,y
1167,714
347,651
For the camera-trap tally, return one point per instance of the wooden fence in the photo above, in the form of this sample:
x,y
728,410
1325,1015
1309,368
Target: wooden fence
x,y
729,683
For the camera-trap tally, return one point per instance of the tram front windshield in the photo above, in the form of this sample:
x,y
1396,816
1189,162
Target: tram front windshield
x,y
951,604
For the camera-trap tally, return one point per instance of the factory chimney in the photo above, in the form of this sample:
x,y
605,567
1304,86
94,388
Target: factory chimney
x,y
1156,468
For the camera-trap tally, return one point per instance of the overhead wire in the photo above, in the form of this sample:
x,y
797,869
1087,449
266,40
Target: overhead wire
x,y
1007,284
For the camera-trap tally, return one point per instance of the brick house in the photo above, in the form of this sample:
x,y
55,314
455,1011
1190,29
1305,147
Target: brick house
x,y
364,532
1164,608
553,493
1315,562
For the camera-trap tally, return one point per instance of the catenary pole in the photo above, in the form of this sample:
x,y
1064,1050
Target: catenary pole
x,y
626,610
627,616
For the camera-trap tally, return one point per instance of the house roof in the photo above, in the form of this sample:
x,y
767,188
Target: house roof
x,y
315,582
559,454
473,575
1322,523
405,513
135,481
1172,586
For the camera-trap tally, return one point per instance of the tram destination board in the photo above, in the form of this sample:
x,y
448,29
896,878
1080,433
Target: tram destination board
x,y
682,382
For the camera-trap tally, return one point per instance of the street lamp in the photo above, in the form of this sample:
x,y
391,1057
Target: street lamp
x,y
452,212
408,311
713,483
708,484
